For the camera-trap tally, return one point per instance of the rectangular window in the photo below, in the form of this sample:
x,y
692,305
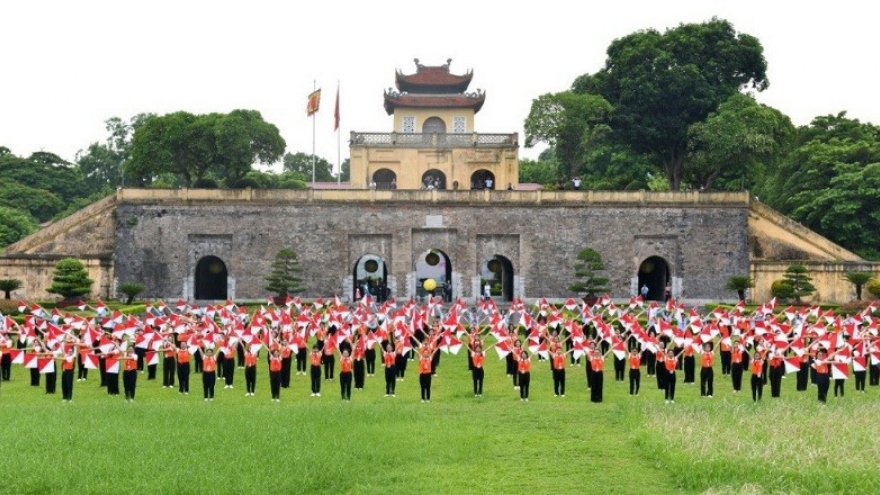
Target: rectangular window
x,y
409,125
459,125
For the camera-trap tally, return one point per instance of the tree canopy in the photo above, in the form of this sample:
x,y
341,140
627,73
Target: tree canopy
x,y
192,146
301,163
661,84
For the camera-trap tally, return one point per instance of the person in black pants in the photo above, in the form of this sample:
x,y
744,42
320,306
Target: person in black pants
x,y
250,373
557,367
757,377
129,373
389,359
597,364
168,365
316,359
477,371
286,359
823,375
359,365
524,367
68,362
707,371
370,356
209,374
635,372
228,366
275,375
112,376
345,368
776,371
81,371
183,356
803,374
860,364
670,364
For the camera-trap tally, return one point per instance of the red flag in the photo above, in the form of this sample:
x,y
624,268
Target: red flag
x,y
314,103
336,112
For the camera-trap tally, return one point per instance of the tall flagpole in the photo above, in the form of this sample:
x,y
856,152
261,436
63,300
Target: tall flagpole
x,y
338,137
314,88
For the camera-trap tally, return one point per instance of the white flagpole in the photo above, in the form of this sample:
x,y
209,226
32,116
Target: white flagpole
x,y
314,88
338,138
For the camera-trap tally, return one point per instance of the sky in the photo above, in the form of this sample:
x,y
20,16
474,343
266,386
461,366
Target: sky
x,y
68,66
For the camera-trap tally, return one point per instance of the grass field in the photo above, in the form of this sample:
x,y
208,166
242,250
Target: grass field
x,y
169,443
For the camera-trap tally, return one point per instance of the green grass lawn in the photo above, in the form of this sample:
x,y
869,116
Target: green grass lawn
x,y
169,443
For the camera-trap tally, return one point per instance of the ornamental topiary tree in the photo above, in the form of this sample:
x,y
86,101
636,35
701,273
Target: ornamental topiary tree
x,y
284,279
739,283
586,268
70,279
858,279
873,287
7,285
799,282
131,290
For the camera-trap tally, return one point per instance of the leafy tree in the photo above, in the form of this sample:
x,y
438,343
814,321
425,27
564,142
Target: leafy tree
x,y
345,170
301,163
131,290
102,164
735,144
858,279
43,171
192,146
740,283
539,171
7,285
661,84
873,287
586,270
284,279
569,122
796,281
70,279
39,203
14,225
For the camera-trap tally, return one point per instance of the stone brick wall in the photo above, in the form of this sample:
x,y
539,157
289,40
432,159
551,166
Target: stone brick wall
x,y
159,239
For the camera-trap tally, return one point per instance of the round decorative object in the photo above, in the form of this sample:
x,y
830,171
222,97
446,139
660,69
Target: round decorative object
x,y
432,259
429,284
647,267
215,267
494,266
371,266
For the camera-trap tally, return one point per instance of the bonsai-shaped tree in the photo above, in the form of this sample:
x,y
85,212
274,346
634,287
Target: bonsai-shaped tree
x,y
858,279
586,268
70,279
795,284
7,285
874,287
284,279
739,283
131,290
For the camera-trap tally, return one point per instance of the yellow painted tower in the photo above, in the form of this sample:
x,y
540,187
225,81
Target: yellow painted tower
x,y
433,144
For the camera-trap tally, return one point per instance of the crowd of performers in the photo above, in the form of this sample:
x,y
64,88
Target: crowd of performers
x,y
663,339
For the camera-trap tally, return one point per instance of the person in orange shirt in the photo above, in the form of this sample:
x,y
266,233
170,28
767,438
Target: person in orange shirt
x,y
183,368
670,363
82,372
5,358
389,359
286,360
822,365
329,352
478,358
597,364
757,367
250,373
514,355
707,373
689,365
358,355
557,366
425,372
635,371
209,374
129,373
736,366
275,374
524,368
68,361
228,365
345,368
168,352
776,371
316,358
724,352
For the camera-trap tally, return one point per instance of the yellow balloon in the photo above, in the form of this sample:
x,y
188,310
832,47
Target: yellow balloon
x,y
429,284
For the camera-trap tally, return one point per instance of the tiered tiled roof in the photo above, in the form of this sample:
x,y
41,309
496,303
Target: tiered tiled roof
x,y
433,87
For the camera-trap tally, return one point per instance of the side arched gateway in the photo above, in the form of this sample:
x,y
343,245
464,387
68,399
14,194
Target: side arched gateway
x,y
654,273
434,264
211,279
370,277
497,271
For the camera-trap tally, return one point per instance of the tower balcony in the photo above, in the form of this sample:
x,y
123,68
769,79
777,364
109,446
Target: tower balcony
x,y
433,140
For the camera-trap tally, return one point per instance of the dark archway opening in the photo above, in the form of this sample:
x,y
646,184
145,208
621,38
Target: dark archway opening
x,y
483,179
655,274
434,264
497,271
385,179
370,276
434,179
211,279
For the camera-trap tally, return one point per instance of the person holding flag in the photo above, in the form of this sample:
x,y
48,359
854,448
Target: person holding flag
x,y
478,357
822,365
250,373
635,371
757,367
183,368
345,368
707,372
316,359
228,364
524,368
168,364
275,374
776,370
425,370
389,359
68,362
209,374
129,373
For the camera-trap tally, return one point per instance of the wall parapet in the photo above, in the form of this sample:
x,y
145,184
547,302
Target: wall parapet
x,y
693,199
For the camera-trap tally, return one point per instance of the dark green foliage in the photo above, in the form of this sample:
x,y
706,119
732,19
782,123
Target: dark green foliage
x,y
301,163
130,290
739,283
7,285
284,279
70,279
858,279
246,183
205,183
15,224
795,284
586,271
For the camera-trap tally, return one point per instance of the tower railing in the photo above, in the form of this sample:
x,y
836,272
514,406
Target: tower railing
x,y
433,140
